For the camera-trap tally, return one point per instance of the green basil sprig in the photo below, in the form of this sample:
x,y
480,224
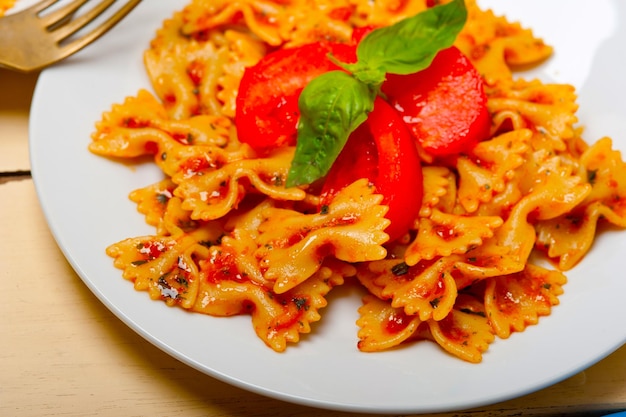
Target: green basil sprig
x,y
334,104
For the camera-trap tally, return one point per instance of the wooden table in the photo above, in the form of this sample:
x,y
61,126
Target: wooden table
x,y
62,353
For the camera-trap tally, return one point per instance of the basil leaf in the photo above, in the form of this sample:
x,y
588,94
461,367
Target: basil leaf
x,y
332,106
409,45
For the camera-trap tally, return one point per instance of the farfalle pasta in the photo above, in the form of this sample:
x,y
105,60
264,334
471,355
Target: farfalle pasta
x,y
231,238
6,5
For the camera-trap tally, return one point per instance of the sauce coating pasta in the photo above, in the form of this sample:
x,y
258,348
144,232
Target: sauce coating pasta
x,y
230,238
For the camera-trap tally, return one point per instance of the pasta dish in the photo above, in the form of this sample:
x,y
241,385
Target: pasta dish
x,y
455,241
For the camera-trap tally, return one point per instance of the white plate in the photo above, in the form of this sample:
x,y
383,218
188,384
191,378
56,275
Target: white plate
x,y
85,201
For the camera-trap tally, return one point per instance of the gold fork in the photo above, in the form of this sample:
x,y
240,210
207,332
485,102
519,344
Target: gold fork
x,y
30,40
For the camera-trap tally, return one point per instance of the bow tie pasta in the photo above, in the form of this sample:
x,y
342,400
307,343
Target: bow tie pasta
x,y
230,238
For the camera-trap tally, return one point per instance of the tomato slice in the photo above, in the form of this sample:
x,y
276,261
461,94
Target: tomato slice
x,y
359,32
444,105
382,150
267,101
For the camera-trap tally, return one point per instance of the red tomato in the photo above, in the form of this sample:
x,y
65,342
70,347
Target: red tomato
x,y
267,101
358,33
383,151
444,105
